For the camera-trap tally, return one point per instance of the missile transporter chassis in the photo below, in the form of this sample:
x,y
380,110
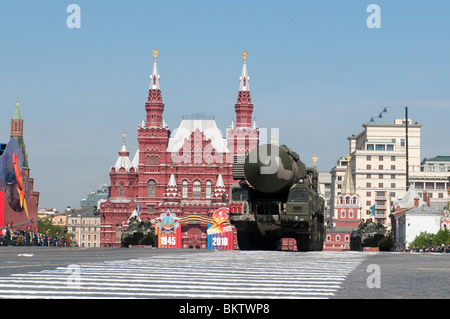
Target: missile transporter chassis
x,y
137,234
282,203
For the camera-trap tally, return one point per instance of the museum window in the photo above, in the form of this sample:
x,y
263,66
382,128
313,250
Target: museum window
x,y
151,189
185,189
208,189
122,190
196,189
370,147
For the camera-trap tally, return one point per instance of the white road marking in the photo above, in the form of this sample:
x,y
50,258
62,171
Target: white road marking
x,y
222,274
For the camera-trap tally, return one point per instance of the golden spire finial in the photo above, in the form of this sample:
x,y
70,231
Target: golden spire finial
x,y
155,53
315,158
124,136
348,158
244,56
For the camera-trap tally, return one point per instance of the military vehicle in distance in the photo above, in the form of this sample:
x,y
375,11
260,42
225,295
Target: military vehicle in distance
x,y
371,235
138,233
276,197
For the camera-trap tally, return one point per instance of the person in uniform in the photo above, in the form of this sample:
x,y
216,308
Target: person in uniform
x,y
46,241
7,235
362,224
35,238
55,239
28,236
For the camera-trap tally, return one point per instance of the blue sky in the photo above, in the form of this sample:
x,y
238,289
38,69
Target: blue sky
x,y
317,72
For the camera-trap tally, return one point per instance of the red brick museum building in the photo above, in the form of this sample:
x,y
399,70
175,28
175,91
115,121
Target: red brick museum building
x,y
187,173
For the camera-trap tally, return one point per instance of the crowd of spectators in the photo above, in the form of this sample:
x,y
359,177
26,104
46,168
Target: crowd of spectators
x,y
430,249
12,237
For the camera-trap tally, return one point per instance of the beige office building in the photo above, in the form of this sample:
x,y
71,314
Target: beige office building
x,y
378,164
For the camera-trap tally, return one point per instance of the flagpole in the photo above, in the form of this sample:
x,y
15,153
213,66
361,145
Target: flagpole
x,y
407,153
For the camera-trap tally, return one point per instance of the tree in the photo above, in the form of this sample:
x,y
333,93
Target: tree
x,y
47,224
421,241
442,237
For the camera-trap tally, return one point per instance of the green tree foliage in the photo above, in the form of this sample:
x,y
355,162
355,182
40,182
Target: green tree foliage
x,y
421,240
441,237
47,224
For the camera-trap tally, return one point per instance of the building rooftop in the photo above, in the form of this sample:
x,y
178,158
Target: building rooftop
x,y
439,158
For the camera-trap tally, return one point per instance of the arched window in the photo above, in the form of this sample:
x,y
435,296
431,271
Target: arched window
x,y
350,213
151,189
196,190
342,213
122,190
208,189
185,189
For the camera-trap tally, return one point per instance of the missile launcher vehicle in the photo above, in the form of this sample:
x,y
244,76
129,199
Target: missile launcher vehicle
x,y
276,197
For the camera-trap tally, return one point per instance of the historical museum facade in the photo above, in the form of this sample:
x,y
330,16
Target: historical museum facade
x,y
187,174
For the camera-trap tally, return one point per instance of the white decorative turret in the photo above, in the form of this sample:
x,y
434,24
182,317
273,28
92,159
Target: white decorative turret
x,y
171,188
123,161
244,79
154,78
220,189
